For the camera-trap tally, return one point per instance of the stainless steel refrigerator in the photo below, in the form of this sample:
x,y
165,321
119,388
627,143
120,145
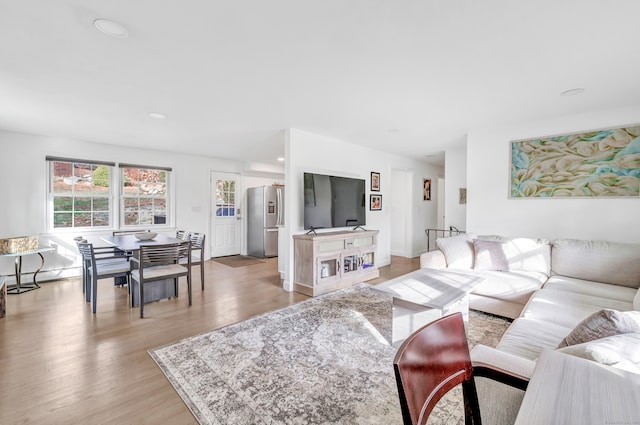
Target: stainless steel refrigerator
x,y
265,213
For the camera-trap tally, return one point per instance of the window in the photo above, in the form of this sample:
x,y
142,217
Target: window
x,y
225,198
144,195
80,193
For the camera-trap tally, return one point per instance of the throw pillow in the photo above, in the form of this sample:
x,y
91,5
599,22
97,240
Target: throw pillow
x,y
490,255
619,351
601,324
458,250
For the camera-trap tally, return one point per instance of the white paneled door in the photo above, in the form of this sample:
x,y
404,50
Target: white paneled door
x,y
225,216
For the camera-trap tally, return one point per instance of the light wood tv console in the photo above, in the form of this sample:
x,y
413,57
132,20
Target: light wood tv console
x,y
334,260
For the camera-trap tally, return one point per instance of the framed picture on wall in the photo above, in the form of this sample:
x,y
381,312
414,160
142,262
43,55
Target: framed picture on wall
x,y
590,164
375,202
375,181
426,189
463,196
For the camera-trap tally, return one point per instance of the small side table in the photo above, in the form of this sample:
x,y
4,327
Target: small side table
x,y
19,287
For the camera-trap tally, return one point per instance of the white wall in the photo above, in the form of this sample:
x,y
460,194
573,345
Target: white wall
x,y
489,209
455,170
400,217
319,154
23,177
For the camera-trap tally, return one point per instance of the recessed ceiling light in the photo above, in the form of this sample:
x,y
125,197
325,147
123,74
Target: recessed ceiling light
x,y
111,28
280,159
572,92
157,116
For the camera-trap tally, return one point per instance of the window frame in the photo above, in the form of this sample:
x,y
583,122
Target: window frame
x,y
115,196
52,194
168,196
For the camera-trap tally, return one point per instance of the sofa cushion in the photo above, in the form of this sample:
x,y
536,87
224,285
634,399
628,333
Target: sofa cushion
x,y
621,351
597,289
458,250
598,261
489,255
516,286
528,337
568,308
525,253
601,324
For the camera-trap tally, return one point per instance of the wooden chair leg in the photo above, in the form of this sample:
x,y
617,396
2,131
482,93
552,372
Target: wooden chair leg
x,y
189,287
202,275
88,282
94,292
141,299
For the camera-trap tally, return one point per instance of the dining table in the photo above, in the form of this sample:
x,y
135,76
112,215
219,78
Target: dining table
x,y
130,243
155,290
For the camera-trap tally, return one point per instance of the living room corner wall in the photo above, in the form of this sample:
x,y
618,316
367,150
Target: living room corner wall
x,y
490,211
310,152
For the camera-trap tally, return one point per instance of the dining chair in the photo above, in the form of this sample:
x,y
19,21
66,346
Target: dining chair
x,y
183,235
98,265
102,253
197,253
161,262
434,360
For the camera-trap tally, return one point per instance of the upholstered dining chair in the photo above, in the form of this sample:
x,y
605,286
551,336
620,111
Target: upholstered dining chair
x,y
434,360
161,262
101,263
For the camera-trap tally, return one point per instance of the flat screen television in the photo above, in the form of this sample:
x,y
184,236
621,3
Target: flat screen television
x,y
333,201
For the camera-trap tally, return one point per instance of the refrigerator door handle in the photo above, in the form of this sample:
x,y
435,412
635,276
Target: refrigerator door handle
x,y
280,208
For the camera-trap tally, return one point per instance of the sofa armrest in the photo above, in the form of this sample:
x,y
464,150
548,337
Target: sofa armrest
x,y
491,358
500,402
433,260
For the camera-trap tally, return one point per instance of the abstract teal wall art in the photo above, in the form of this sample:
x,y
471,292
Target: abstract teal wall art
x,y
603,163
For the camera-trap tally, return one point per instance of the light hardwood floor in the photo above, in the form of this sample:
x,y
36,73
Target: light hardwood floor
x,y
60,364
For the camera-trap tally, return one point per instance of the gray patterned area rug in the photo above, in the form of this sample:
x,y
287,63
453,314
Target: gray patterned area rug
x,y
326,360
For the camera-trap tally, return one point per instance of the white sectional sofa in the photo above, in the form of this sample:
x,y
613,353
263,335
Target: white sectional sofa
x,y
549,288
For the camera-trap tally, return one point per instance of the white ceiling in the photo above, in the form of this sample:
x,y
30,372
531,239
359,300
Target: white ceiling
x,y
405,76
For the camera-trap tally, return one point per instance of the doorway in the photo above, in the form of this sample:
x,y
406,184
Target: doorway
x,y
225,216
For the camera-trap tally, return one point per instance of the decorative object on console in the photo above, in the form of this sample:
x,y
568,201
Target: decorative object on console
x,y
145,236
375,202
600,163
375,181
18,244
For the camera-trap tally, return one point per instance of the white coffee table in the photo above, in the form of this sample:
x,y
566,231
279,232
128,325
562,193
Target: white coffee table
x,y
424,295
